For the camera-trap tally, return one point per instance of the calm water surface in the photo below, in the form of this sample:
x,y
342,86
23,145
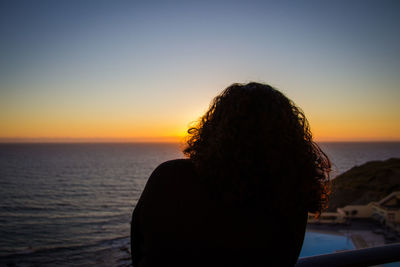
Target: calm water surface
x,y
320,243
72,203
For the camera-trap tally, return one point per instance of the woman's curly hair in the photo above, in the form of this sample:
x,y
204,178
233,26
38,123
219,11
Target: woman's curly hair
x,y
254,144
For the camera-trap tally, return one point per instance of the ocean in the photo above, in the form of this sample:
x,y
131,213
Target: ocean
x,y
71,204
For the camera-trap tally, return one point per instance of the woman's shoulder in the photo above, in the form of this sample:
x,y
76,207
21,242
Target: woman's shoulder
x,y
174,165
168,174
173,169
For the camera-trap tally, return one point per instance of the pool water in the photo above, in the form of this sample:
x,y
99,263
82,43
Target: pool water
x,y
316,243
321,243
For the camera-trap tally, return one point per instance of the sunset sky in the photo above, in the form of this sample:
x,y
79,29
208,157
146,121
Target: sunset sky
x,y
144,70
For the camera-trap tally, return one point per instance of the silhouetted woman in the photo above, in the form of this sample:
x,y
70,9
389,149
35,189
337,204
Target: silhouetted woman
x,y
242,196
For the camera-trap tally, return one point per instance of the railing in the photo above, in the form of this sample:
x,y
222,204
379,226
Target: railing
x,y
359,257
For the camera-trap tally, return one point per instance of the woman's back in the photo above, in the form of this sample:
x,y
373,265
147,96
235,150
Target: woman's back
x,y
177,223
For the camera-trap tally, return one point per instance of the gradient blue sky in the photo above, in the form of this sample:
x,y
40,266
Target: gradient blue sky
x,y
143,70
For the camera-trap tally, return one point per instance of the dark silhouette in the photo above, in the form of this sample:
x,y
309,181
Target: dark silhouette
x,y
242,197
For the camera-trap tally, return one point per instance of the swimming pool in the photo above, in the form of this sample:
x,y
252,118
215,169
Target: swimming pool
x,y
316,243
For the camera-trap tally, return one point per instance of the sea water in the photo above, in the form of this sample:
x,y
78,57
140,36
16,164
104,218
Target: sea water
x,y
72,203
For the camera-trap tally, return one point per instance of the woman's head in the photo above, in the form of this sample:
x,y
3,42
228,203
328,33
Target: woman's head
x,y
255,144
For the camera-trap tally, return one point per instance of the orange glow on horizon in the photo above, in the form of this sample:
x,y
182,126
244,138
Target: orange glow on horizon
x,y
173,129
318,136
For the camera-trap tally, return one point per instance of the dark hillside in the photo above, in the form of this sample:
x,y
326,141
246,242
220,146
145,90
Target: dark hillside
x,y
360,185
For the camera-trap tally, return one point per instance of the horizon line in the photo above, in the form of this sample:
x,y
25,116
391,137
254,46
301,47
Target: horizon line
x,y
171,139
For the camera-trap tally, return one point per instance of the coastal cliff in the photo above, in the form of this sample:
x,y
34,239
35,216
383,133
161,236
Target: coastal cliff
x,y
362,184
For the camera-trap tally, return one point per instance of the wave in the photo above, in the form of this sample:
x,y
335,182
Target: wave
x,y
63,253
